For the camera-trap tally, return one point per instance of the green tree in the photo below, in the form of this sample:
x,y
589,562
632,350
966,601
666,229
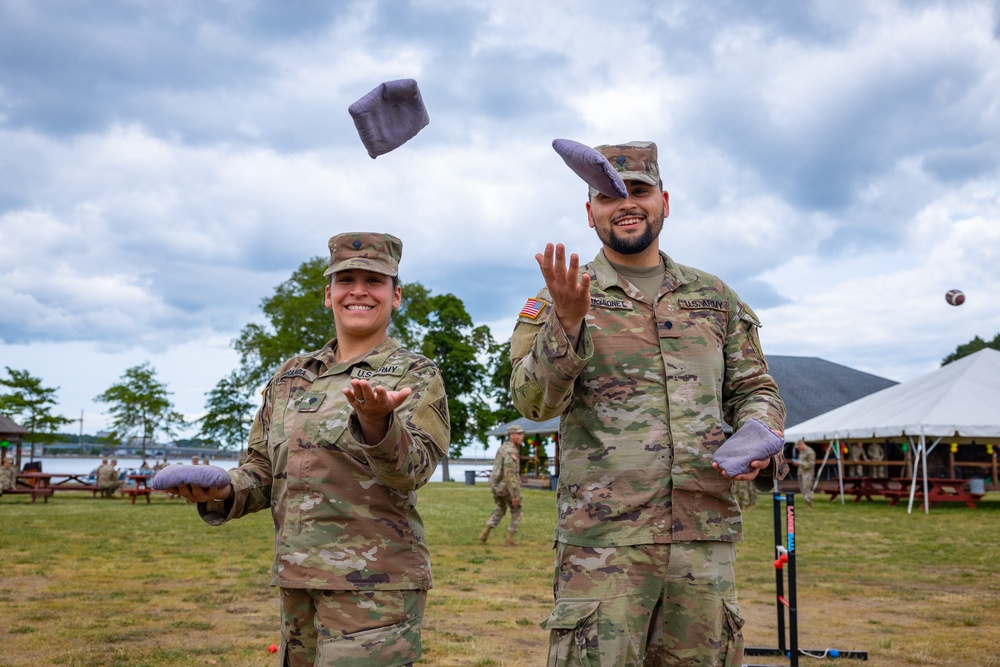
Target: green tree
x,y
972,347
297,321
452,341
227,422
498,384
139,406
29,403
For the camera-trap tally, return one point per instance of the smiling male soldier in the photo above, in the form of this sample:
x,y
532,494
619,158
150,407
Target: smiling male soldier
x,y
644,358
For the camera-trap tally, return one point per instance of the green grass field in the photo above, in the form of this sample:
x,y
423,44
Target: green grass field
x,y
99,582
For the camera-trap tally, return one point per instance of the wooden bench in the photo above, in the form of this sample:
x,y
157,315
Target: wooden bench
x,y
93,488
36,493
859,487
136,491
939,490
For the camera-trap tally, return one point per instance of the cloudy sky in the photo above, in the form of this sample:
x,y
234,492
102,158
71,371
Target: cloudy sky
x,y
163,165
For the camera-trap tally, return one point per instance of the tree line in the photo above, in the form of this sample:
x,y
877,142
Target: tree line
x,y
475,369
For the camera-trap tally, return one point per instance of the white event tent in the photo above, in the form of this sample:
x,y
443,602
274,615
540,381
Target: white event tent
x,y
959,401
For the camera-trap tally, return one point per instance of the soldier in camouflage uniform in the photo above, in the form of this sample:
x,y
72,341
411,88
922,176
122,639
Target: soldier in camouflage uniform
x,y
343,439
106,477
505,483
746,494
806,463
643,358
8,475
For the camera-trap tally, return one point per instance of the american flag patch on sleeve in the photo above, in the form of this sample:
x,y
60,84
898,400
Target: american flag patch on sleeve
x,y
533,308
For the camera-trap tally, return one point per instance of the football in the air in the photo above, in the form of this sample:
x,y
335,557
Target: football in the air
x,y
955,297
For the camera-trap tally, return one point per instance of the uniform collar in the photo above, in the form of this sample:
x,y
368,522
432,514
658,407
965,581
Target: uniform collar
x,y
375,358
607,277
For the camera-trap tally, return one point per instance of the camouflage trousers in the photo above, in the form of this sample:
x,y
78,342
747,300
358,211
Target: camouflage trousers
x,y
502,503
806,485
350,628
746,494
653,605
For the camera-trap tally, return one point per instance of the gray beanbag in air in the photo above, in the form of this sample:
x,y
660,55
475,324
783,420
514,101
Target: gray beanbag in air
x,y
389,116
592,167
176,474
753,442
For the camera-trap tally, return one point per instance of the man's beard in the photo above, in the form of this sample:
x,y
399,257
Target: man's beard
x,y
631,245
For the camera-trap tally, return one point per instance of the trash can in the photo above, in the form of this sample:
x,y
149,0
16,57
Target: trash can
x,y
977,485
553,482
470,477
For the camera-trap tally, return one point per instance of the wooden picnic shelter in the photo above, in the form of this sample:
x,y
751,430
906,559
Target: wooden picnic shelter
x,y
11,437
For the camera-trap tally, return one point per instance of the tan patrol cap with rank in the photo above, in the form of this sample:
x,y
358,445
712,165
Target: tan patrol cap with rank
x,y
634,161
379,253
514,428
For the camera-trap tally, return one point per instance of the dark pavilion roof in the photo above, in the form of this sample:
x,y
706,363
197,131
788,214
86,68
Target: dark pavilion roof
x,y
7,427
809,386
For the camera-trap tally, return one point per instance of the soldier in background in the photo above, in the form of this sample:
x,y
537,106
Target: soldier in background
x,y
805,461
746,494
505,484
344,438
106,477
877,453
643,358
8,475
857,453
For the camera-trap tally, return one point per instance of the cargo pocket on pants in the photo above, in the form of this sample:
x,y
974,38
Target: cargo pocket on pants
x,y
391,646
732,642
572,627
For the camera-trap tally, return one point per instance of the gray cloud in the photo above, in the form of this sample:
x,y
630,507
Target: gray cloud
x,y
164,165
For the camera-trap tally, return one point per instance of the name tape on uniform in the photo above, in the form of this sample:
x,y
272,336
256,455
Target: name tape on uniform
x,y
364,373
610,303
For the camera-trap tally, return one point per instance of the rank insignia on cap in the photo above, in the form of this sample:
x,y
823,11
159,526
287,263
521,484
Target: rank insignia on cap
x,y
533,308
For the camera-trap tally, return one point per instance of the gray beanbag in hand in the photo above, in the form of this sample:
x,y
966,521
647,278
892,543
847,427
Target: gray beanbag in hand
x,y
389,116
592,167
753,442
177,474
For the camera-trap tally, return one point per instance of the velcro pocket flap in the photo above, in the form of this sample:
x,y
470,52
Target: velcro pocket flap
x,y
571,612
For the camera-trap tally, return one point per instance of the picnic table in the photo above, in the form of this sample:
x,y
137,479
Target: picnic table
x,y
35,483
72,482
939,490
140,486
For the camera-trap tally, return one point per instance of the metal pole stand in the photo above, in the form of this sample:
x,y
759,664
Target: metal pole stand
x,y
784,547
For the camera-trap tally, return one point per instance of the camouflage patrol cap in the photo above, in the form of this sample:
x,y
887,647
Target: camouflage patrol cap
x,y
634,161
514,428
371,251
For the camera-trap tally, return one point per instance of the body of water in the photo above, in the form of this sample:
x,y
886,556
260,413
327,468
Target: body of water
x,y
74,465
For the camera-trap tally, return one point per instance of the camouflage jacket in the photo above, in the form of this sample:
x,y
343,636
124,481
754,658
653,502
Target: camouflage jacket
x,y
642,400
505,480
344,510
807,459
8,477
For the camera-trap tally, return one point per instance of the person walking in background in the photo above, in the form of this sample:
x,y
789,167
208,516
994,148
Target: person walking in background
x,y
342,441
643,359
505,484
805,461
